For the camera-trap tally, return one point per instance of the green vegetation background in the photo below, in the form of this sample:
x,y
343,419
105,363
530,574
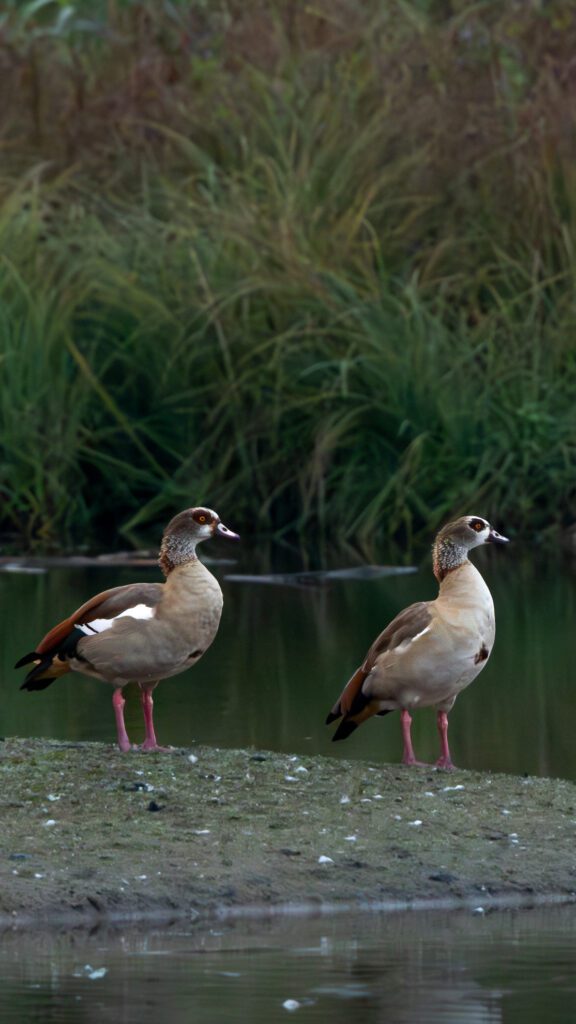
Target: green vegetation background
x,y
311,264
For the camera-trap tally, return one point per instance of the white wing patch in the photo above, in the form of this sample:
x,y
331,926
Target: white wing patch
x,y
421,633
139,611
407,643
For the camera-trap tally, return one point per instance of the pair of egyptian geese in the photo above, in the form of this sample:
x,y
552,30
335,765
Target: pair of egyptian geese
x,y
145,632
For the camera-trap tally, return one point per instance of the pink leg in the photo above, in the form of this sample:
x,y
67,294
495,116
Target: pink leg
x,y
150,742
408,756
118,703
444,761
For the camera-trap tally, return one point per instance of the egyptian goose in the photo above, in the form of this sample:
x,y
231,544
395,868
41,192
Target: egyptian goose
x,y
433,649
143,632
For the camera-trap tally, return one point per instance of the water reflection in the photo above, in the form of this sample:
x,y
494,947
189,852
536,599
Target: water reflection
x,y
507,967
283,654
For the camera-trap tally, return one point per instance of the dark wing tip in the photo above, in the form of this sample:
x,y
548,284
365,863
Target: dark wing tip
x,y
33,656
346,727
332,716
37,684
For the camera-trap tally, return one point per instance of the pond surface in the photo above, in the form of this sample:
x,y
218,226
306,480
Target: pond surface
x,y
283,654
418,968
279,661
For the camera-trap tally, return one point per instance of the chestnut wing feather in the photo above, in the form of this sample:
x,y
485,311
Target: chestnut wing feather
x,y
106,605
405,626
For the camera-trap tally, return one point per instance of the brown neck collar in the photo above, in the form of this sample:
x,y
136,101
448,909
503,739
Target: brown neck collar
x,y
446,557
175,552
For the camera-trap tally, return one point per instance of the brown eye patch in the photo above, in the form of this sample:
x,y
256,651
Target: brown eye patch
x,y
477,524
202,516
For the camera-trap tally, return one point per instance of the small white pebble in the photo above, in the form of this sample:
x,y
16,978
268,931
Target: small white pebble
x,y
38,875
513,835
451,789
49,823
344,799
290,778
15,871
52,797
351,839
192,758
201,831
141,877
294,758
505,811
366,800
301,768
428,793
398,817
377,796
325,860
478,910
291,1005
416,822
138,771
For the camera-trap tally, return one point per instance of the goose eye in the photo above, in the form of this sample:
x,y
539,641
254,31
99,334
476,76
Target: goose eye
x,y
477,525
201,519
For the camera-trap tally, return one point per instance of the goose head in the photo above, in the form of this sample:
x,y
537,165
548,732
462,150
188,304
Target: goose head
x,y
185,531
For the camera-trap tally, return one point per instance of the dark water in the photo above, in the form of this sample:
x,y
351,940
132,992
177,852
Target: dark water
x,y
462,968
282,655
279,661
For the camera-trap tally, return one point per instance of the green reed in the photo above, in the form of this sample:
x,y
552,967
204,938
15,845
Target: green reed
x,y
313,267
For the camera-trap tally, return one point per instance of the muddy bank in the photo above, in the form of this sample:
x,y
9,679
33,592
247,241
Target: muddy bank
x,y
88,833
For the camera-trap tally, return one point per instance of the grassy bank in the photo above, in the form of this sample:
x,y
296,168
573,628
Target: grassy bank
x,y
313,266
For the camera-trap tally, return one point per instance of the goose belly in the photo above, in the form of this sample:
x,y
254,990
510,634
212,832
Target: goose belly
x,y
147,651
434,672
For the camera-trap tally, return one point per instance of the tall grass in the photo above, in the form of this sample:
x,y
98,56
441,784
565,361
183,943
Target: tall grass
x,y
314,266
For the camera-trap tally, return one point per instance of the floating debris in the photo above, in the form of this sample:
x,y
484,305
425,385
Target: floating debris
x,y
32,570
322,577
